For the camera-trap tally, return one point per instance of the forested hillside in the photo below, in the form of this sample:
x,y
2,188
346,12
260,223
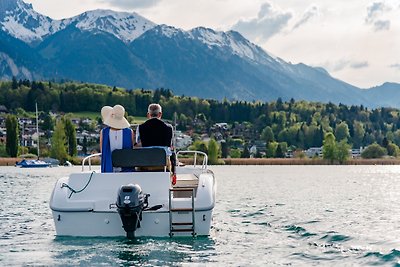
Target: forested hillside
x,y
300,124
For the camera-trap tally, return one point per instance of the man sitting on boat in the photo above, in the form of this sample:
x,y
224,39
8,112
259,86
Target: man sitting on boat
x,y
155,132
116,135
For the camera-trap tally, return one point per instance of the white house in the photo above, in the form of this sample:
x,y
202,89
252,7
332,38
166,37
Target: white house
x,y
182,140
314,151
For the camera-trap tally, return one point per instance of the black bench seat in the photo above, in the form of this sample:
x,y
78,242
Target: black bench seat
x,y
139,157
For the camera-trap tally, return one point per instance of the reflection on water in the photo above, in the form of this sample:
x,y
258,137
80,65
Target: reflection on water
x,y
265,215
138,252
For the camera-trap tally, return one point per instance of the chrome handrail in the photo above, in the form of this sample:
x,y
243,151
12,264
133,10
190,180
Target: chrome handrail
x,y
205,157
89,158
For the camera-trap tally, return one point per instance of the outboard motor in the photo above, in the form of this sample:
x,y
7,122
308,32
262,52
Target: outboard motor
x,y
130,203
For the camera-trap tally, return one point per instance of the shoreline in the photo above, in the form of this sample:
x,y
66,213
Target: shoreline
x,y
307,161
258,161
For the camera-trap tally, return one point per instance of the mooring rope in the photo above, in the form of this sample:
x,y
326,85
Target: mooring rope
x,y
73,191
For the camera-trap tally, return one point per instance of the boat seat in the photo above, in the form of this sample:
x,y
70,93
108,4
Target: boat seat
x,y
139,157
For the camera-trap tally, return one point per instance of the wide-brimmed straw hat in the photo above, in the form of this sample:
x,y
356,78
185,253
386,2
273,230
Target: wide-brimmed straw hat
x,y
114,117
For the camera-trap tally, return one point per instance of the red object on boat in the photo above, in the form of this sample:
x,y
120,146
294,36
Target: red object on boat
x,y
173,179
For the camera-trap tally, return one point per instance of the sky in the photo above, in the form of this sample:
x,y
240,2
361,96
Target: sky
x,y
357,41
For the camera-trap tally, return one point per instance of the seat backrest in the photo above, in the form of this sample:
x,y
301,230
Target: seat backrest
x,y
139,157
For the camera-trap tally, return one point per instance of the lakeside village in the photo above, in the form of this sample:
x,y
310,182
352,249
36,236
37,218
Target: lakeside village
x,y
87,138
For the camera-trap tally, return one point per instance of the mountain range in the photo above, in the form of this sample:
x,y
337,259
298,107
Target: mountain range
x,y
127,50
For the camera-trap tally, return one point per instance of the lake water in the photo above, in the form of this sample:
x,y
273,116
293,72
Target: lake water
x,y
265,215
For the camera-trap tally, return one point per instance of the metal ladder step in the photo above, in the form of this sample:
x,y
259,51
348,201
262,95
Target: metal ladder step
x,y
182,230
173,229
183,223
188,189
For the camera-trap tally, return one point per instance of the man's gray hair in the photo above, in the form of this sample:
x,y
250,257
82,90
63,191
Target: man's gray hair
x,y
154,110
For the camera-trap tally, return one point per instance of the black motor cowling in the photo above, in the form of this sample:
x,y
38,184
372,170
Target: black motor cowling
x,y
130,203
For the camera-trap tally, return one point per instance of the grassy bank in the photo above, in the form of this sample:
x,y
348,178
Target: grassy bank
x,y
9,161
296,161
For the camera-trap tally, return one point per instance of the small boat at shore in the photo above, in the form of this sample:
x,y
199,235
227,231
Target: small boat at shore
x,y
32,163
37,163
136,203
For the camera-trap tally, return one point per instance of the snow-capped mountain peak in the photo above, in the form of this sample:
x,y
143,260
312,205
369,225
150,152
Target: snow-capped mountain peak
x,y
21,21
125,26
233,42
7,5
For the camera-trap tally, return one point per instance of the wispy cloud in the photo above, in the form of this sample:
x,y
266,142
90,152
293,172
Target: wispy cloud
x,y
359,65
374,10
381,25
308,14
131,3
395,66
268,22
344,64
374,14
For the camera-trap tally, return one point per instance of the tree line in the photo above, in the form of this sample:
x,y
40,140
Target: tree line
x,y
291,124
63,140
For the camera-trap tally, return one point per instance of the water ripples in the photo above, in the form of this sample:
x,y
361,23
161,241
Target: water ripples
x,y
280,215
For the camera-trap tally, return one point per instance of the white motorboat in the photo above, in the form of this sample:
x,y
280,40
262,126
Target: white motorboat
x,y
138,203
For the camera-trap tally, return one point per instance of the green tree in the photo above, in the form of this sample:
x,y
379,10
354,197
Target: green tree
x,y
271,149
235,153
329,148
58,142
3,152
224,149
281,150
342,131
267,134
358,134
14,84
373,151
343,151
213,151
392,150
70,133
246,152
12,136
48,123
84,145
199,146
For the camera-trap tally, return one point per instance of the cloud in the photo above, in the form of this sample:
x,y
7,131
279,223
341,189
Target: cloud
x,y
359,65
374,10
374,13
130,3
344,64
395,66
381,25
268,22
308,14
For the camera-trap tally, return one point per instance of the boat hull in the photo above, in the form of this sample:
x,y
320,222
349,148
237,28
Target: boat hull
x,y
92,211
103,224
32,164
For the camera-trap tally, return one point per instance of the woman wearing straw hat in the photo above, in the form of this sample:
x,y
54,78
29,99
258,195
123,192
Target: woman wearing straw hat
x,y
117,135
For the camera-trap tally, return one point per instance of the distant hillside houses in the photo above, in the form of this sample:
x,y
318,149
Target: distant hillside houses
x,y
90,137
182,140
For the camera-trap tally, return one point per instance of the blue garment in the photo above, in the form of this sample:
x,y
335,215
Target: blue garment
x,y
106,161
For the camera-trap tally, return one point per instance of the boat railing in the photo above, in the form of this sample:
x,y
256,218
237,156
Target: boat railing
x,y
203,164
89,160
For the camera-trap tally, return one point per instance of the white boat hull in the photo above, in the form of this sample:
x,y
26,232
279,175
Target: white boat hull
x,y
95,224
92,212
